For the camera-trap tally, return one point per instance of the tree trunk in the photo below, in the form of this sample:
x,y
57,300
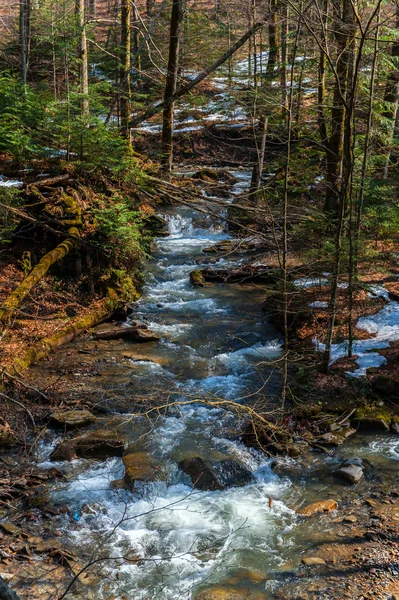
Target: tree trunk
x,y
283,66
171,83
273,39
321,84
344,35
10,305
125,98
23,19
200,77
260,150
82,55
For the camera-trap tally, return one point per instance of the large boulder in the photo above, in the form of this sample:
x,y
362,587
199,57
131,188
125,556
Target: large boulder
x,y
206,475
72,419
318,507
102,444
140,467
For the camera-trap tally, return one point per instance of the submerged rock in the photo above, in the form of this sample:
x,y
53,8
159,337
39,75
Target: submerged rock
x,y
220,592
98,444
139,467
215,476
72,419
350,471
313,561
318,507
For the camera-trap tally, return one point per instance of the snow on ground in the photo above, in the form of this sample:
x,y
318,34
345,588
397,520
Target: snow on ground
x,y
4,182
383,326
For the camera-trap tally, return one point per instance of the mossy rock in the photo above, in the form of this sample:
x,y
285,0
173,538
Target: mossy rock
x,y
395,424
371,419
197,279
72,419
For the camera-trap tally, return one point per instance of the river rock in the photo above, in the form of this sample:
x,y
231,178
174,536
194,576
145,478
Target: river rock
x,y
197,279
350,471
337,437
313,561
215,476
318,507
10,528
72,419
97,444
139,467
220,592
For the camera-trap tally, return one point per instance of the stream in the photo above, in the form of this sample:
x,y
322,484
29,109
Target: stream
x,y
217,343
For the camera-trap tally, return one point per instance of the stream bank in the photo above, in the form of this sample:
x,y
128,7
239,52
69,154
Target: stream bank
x,y
162,537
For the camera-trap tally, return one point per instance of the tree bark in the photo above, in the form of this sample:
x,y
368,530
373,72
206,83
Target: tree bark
x,y
200,77
23,9
344,35
125,98
83,56
171,83
9,306
273,39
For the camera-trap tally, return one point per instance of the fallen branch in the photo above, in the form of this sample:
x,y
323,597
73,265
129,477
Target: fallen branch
x,y
22,406
200,77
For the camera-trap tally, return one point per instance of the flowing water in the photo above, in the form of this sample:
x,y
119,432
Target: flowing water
x,y
216,343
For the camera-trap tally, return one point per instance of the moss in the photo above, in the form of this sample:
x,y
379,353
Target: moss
x,y
197,278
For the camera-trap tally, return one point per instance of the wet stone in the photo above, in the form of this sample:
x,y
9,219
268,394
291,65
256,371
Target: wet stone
x,y
72,419
313,561
318,507
215,476
10,528
350,473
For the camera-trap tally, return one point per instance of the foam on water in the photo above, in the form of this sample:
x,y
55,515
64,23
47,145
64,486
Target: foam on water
x,y
182,536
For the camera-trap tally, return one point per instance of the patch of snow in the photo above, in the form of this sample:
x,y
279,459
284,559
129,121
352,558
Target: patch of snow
x,y
4,182
384,326
318,304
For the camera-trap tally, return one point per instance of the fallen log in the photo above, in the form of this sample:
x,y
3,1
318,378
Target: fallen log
x,y
118,333
99,311
11,303
48,181
249,274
